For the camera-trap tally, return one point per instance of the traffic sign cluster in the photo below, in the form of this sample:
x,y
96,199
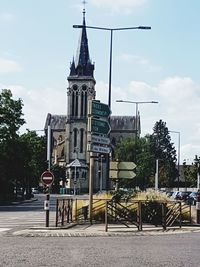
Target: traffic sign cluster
x,y
98,127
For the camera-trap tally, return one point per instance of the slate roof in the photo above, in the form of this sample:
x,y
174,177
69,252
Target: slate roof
x,y
58,122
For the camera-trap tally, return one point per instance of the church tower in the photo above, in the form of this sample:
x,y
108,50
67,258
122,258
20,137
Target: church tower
x,y
81,88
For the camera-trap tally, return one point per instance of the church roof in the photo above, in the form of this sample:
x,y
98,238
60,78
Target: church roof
x,y
122,123
57,122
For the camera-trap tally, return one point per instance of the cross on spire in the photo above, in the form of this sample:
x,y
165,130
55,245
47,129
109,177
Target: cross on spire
x,y
84,3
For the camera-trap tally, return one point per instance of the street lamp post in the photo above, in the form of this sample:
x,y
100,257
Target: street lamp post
x,y
178,158
111,30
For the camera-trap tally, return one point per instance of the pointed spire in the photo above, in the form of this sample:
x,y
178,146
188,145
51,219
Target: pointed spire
x,y
82,65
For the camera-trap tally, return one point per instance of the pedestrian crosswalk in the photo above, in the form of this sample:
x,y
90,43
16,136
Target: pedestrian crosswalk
x,y
25,219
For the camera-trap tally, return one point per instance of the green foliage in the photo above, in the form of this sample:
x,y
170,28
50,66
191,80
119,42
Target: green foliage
x,y
163,149
10,122
144,153
190,172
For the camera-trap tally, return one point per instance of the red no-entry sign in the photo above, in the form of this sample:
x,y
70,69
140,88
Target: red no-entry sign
x,y
47,178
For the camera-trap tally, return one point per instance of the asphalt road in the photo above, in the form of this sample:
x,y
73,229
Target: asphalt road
x,y
178,250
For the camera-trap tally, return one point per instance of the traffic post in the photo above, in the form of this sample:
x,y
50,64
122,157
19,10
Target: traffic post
x,y
47,179
198,206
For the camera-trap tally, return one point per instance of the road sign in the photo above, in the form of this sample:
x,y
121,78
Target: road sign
x,y
98,109
47,178
122,169
113,174
98,149
99,126
101,140
126,174
122,165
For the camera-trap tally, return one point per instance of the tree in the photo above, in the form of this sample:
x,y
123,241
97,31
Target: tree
x,y
32,159
125,151
190,172
163,149
10,122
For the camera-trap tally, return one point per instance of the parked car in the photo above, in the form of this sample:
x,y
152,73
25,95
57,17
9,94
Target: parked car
x,y
192,198
175,195
35,191
183,195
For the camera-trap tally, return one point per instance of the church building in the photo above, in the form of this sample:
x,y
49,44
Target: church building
x,y
70,131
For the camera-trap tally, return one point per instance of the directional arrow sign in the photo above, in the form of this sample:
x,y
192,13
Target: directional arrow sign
x,y
99,126
99,149
123,165
100,140
126,174
100,109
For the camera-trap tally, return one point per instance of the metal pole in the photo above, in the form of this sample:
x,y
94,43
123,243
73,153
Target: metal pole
x,y
156,175
109,104
101,174
179,142
198,177
49,147
91,174
49,168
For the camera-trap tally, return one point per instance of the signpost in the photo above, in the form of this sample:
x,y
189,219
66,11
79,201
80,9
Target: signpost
x,y
47,179
122,170
99,109
99,126
98,141
99,149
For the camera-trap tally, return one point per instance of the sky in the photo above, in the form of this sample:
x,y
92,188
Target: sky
x,y
38,43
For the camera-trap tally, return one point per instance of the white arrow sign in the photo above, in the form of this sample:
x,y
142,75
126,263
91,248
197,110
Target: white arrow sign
x,y
100,140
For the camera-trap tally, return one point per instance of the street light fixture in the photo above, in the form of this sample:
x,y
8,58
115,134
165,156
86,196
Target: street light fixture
x,y
136,111
111,45
178,158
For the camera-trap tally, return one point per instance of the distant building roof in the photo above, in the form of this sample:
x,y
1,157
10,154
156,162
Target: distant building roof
x,y
57,122
126,123
122,123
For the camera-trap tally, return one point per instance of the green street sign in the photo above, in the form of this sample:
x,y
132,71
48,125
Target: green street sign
x,y
100,109
98,126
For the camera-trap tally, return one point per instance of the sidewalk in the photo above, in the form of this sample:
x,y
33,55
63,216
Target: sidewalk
x,y
86,230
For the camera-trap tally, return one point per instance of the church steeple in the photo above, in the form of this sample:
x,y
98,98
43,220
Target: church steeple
x,y
82,66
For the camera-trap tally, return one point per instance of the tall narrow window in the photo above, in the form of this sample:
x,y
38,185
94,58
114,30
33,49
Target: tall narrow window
x,y
81,140
75,137
75,101
85,104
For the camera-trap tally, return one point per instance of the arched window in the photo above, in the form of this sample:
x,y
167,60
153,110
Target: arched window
x,y
75,101
81,140
75,137
84,100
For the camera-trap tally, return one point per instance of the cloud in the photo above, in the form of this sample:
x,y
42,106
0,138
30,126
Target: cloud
x,y
37,103
8,66
6,17
138,61
178,106
119,5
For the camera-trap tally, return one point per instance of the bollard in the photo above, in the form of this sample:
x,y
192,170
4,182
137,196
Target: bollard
x,y
198,207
